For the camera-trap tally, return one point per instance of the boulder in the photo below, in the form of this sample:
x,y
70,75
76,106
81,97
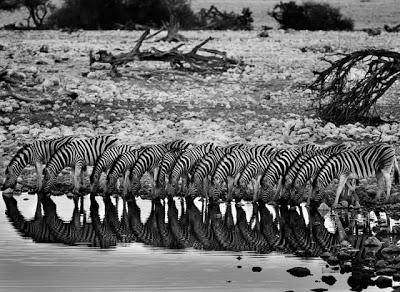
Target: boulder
x,y
299,272
386,271
330,280
383,282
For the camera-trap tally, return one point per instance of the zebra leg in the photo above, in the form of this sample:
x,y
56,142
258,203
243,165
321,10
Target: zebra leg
x,y
230,182
351,187
82,176
153,176
205,188
257,186
279,190
39,173
388,182
342,183
77,176
381,184
126,183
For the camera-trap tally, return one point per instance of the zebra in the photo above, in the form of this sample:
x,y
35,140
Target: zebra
x,y
253,172
148,160
79,154
278,167
307,172
204,168
374,160
166,165
292,171
121,167
185,162
36,153
231,166
104,162
282,162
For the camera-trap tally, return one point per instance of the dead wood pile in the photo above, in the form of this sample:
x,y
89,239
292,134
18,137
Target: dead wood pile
x,y
348,90
209,61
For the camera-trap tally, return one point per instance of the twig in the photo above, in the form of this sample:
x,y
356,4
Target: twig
x,y
156,33
135,49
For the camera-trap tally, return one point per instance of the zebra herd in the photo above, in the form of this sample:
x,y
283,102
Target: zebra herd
x,y
205,169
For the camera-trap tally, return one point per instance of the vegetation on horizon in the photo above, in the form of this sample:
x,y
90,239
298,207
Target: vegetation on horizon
x,y
310,16
130,14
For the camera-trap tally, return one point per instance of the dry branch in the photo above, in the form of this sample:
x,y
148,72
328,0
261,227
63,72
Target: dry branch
x,y
395,28
348,90
212,61
11,85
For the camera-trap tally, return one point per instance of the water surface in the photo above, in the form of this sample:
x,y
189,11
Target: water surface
x,y
110,244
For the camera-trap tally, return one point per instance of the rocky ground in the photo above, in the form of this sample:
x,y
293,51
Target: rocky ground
x,y
265,101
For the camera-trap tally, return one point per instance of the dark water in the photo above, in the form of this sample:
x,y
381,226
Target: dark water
x,y
96,244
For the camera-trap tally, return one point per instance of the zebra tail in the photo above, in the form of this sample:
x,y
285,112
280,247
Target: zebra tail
x,y
396,172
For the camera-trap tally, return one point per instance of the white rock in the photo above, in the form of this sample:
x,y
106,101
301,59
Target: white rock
x,y
47,83
21,130
95,88
31,69
100,66
34,132
158,108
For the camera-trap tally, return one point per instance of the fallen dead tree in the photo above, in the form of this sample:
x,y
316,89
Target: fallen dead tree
x,y
210,61
12,86
395,28
348,90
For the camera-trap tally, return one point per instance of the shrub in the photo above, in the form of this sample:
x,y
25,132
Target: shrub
x,y
222,20
310,16
37,9
87,14
111,14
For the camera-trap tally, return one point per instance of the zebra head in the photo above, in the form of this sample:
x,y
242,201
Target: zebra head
x,y
267,193
215,191
49,180
160,191
193,190
135,187
240,191
111,184
11,179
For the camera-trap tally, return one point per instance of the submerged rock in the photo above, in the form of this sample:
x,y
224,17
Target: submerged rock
x,y
359,280
330,280
383,282
256,269
299,272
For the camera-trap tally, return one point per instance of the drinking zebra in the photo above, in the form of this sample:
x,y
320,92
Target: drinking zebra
x,y
36,153
78,154
374,160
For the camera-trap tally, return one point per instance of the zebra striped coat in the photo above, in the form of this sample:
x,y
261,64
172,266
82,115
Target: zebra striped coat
x,y
374,160
79,154
104,162
36,153
121,168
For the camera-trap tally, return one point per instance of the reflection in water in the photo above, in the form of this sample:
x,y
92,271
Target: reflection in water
x,y
172,225
178,224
